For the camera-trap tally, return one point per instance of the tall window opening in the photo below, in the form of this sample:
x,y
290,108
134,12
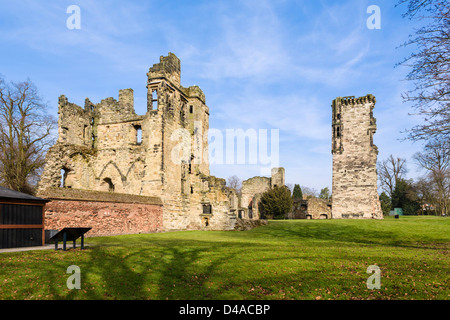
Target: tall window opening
x,y
154,99
138,134
64,173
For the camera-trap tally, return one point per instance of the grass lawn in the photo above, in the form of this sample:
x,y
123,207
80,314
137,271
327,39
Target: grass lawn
x,y
301,259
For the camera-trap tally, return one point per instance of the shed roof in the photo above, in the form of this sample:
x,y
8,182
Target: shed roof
x,y
8,194
55,193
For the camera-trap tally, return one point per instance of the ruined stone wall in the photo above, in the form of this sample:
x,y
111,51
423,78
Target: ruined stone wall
x,y
252,190
164,153
106,213
311,208
354,185
277,178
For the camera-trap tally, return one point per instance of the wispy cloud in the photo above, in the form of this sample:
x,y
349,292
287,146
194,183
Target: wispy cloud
x,y
262,64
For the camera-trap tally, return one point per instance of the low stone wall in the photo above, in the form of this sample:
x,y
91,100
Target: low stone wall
x,y
311,208
115,216
247,224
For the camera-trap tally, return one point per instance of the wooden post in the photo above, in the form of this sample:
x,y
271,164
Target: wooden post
x,y
43,225
64,240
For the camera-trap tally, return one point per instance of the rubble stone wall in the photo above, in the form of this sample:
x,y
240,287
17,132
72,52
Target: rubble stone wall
x,y
107,147
354,187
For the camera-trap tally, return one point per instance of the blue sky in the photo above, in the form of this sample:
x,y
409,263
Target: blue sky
x,y
261,64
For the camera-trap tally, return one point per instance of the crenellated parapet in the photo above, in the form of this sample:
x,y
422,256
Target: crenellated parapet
x,y
351,100
194,92
169,67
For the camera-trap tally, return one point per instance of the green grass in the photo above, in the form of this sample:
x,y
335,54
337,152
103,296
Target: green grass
x,y
303,259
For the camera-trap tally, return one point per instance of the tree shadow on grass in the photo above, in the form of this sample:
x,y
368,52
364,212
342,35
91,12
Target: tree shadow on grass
x,y
182,268
350,233
190,274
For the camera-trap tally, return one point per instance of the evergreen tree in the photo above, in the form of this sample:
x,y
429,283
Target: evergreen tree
x,y
325,194
385,202
297,193
276,202
405,197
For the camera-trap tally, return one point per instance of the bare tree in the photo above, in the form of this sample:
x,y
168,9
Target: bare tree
x,y
309,192
429,68
426,193
290,186
25,134
235,183
435,159
390,171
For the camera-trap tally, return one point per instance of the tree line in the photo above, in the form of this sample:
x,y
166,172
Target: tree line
x,y
429,193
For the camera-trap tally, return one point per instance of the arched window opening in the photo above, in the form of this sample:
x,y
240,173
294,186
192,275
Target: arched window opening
x,y
63,182
108,182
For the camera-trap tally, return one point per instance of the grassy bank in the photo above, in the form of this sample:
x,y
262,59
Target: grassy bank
x,y
303,259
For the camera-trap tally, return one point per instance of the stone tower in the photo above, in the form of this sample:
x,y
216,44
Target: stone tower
x,y
354,187
107,147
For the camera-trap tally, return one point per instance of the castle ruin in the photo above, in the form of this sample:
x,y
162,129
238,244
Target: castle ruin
x,y
252,191
121,172
163,155
354,189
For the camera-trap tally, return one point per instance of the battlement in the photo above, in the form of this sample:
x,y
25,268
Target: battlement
x,y
169,67
194,92
126,99
351,100
63,103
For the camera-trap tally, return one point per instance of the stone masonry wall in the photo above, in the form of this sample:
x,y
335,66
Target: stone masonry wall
x,y
252,190
354,183
164,153
311,208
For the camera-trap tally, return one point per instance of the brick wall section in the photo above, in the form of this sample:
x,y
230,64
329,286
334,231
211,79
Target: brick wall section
x,y
105,218
107,213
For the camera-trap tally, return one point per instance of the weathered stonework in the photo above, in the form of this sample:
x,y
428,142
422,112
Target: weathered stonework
x,y
354,187
311,208
252,190
248,224
164,153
